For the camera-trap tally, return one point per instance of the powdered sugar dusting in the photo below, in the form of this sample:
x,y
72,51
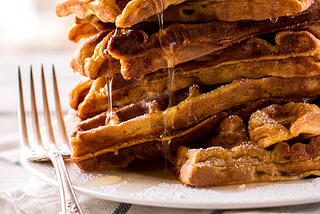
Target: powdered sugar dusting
x,y
237,195
109,189
144,189
148,190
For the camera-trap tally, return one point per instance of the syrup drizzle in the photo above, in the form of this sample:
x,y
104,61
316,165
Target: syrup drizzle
x,y
169,54
171,85
171,68
109,86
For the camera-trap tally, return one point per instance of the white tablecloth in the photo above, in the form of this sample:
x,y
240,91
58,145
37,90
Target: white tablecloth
x,y
21,192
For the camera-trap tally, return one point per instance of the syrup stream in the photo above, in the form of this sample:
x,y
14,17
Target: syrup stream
x,y
109,86
171,85
170,64
170,56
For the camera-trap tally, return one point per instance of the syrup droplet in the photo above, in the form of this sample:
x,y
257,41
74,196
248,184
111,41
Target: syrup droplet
x,y
160,19
109,88
171,87
138,78
115,32
273,20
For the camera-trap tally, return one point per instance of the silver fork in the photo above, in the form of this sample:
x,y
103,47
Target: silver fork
x,y
49,149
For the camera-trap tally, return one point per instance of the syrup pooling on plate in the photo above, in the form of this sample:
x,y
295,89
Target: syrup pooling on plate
x,y
103,181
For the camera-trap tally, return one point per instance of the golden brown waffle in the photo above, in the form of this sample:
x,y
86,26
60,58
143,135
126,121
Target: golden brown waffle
x,y
205,11
245,161
221,69
231,132
122,155
103,65
148,120
128,13
282,123
80,31
140,53
84,28
105,10
294,54
184,42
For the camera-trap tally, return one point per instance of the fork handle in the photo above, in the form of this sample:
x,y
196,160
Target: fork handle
x,y
69,199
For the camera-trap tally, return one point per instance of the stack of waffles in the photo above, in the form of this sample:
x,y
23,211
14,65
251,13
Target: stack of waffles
x,y
228,88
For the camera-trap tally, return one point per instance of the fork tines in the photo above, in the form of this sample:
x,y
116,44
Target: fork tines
x,y
41,145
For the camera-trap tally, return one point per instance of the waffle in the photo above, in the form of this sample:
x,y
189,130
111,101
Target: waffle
x,y
239,67
205,11
122,155
128,13
149,120
137,48
85,28
105,10
252,58
282,123
241,160
194,12
103,65
190,41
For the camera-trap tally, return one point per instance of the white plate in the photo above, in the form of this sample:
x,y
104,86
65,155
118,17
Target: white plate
x,y
149,184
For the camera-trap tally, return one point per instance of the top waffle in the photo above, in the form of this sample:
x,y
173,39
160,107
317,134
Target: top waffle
x,y
141,50
128,13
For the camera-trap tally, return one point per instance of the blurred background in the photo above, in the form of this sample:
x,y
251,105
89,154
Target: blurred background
x,y
32,34
32,26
